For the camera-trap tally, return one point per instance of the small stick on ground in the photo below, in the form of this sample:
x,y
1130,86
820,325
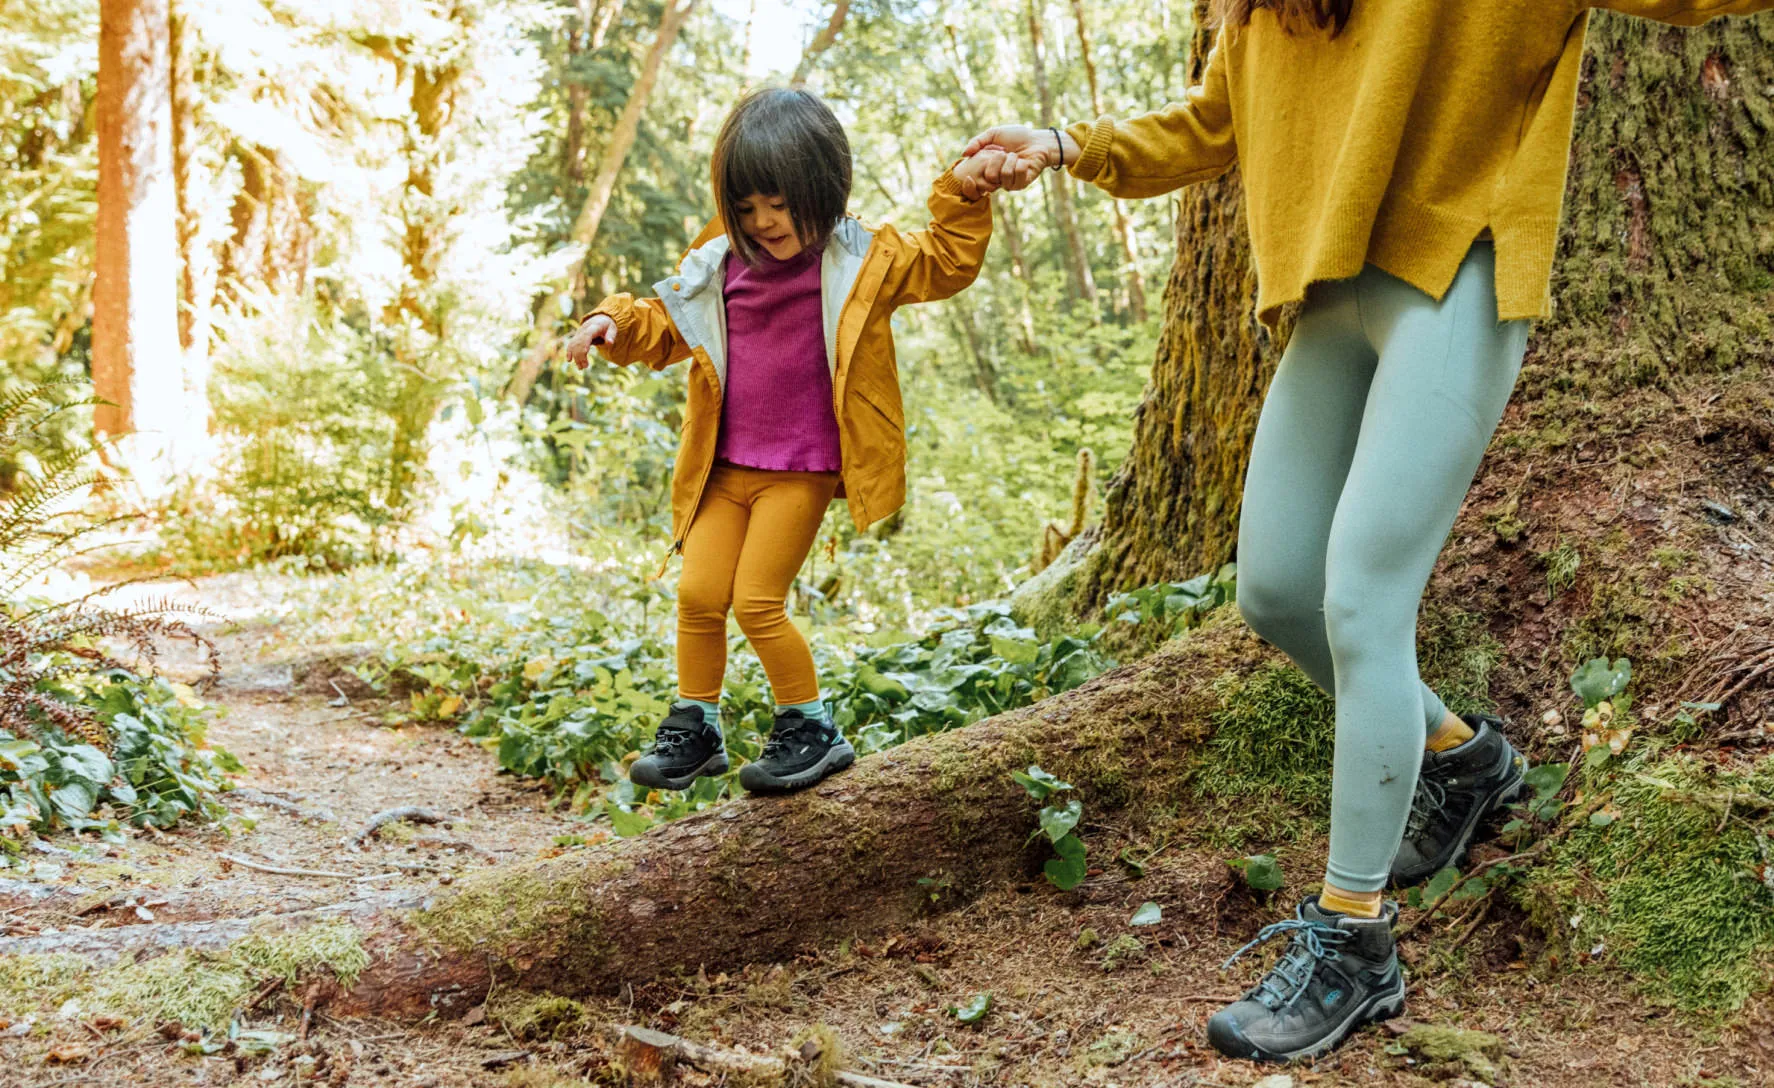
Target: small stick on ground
x,y
657,1050
278,870
405,812
266,800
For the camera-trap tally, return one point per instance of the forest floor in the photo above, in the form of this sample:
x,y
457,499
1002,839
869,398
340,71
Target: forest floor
x,y
1080,996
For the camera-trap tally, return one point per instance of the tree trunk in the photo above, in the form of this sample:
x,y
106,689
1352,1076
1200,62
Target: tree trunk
x,y
1663,267
596,17
432,101
1136,289
824,40
1078,278
706,891
196,276
585,227
135,341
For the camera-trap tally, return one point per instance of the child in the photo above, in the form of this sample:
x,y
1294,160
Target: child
x,y
782,307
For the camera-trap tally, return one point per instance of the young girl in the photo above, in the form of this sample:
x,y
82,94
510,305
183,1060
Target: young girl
x,y
782,308
1403,166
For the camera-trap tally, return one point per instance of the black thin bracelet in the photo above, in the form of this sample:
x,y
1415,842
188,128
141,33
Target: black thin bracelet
x,y
1061,164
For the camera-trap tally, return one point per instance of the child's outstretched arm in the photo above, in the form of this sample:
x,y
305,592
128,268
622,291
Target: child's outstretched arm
x,y
627,330
939,261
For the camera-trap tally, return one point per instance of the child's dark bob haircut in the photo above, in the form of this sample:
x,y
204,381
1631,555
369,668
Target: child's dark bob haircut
x,y
782,143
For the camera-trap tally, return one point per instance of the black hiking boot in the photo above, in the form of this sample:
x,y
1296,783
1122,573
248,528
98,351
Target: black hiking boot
x,y
800,752
1337,973
685,748
1456,790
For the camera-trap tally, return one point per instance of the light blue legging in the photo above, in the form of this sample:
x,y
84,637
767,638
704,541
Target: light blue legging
x,y
1372,431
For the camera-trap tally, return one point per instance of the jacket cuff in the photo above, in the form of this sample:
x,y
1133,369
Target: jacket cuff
x,y
619,309
950,184
1095,139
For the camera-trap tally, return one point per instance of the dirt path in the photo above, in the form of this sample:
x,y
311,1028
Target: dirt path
x,y
1079,996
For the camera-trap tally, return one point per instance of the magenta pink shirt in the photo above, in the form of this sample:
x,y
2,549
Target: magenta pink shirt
x,y
776,410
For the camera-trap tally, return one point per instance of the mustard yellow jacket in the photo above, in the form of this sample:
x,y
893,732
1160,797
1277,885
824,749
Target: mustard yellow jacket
x,y
864,276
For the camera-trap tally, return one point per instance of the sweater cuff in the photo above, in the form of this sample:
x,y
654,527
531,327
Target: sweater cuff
x,y
619,309
950,184
1095,140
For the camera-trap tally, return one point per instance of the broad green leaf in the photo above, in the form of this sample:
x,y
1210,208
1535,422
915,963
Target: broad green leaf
x,y
975,1010
628,824
1017,651
1149,914
1546,778
1597,679
1068,870
1058,821
1440,883
1261,871
1039,783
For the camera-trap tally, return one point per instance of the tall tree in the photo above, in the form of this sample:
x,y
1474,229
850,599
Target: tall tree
x,y
1663,267
196,278
545,336
136,362
824,40
586,37
1058,182
1135,287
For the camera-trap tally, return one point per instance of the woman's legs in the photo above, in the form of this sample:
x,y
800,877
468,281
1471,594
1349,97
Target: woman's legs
x,y
1299,461
786,510
1445,371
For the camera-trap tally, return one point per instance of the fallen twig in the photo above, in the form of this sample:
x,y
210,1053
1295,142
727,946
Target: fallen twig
x,y
278,870
655,1049
405,812
259,797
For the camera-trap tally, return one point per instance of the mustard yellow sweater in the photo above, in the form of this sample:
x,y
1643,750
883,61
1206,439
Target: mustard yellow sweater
x,y
1396,142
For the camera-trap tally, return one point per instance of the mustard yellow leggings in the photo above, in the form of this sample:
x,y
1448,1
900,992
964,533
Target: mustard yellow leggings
x,y
746,543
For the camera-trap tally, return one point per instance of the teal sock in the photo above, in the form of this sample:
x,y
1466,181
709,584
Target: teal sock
x,y
711,712
815,709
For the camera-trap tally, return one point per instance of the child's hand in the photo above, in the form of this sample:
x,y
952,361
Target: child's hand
x,y
598,331
972,172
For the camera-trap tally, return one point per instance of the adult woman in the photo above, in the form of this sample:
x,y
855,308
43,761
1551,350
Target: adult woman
x,y
1403,163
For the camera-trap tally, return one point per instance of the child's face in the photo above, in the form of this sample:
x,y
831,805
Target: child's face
x,y
765,220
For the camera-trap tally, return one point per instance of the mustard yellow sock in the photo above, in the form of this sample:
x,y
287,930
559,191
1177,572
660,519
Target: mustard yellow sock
x,y
1354,904
1451,733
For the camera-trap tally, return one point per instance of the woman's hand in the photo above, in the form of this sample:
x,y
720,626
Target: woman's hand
x,y
1027,152
970,172
599,331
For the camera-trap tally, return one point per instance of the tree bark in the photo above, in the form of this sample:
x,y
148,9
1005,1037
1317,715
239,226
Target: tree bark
x,y
135,341
595,19
545,336
1078,277
1663,268
824,40
1135,287
196,276
705,891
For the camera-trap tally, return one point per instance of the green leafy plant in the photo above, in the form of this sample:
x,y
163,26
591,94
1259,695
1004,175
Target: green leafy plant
x,y
1058,822
1261,871
1176,606
85,742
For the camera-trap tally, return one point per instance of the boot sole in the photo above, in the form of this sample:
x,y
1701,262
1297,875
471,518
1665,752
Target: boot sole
x,y
757,780
713,765
1380,1006
1505,793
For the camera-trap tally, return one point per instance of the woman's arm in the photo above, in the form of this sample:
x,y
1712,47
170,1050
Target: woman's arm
x,y
1681,12
642,334
1158,152
932,264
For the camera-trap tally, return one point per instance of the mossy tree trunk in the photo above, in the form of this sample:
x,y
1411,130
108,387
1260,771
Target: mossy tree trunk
x,y
1666,265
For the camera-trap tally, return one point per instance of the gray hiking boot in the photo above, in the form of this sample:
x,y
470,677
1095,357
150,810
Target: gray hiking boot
x,y
1456,790
1336,974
